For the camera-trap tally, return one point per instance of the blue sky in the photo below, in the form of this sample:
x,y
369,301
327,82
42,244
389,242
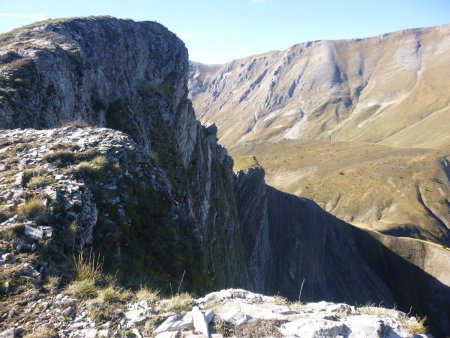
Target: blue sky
x,y
216,31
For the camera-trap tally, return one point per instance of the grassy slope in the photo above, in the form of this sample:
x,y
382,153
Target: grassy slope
x,y
394,190
244,162
390,89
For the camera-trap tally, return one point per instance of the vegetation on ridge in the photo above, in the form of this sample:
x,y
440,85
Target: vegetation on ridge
x,y
244,162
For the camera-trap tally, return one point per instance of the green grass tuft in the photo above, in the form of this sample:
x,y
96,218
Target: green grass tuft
x,y
83,289
150,296
33,207
89,268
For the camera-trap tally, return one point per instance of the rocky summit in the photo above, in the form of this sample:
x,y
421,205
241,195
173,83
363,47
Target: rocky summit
x,y
116,201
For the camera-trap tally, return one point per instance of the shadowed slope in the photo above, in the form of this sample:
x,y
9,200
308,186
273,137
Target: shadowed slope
x,y
338,262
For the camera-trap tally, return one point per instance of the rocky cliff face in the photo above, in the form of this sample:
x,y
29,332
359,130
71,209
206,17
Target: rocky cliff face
x,y
154,193
64,71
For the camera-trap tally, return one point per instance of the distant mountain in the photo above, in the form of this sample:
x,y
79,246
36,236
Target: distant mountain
x,y
391,89
341,122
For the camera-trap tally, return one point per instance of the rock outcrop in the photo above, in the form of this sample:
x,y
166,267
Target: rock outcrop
x,y
226,313
154,193
65,71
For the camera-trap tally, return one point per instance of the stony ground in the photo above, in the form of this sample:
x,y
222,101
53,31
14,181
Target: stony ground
x,y
227,313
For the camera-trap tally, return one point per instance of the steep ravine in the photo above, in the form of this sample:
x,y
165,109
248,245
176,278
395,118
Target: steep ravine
x,y
311,254
174,181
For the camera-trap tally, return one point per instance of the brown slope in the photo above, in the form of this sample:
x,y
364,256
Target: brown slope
x,y
391,89
399,191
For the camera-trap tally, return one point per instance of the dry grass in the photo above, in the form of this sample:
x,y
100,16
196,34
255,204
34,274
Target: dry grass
x,y
42,332
94,166
279,300
112,294
180,302
88,267
297,306
151,296
38,182
99,161
416,325
263,328
376,310
29,173
223,327
85,167
52,282
75,124
64,155
33,207
88,272
83,288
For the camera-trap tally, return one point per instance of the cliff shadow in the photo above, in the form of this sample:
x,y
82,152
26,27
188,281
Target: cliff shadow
x,y
325,258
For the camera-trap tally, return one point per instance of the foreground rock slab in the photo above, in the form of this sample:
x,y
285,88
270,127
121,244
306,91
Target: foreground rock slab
x,y
226,313
240,313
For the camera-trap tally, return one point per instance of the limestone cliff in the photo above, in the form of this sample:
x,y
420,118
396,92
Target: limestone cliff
x,y
132,77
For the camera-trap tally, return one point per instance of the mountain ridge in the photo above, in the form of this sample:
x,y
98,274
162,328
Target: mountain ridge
x,y
319,40
343,86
